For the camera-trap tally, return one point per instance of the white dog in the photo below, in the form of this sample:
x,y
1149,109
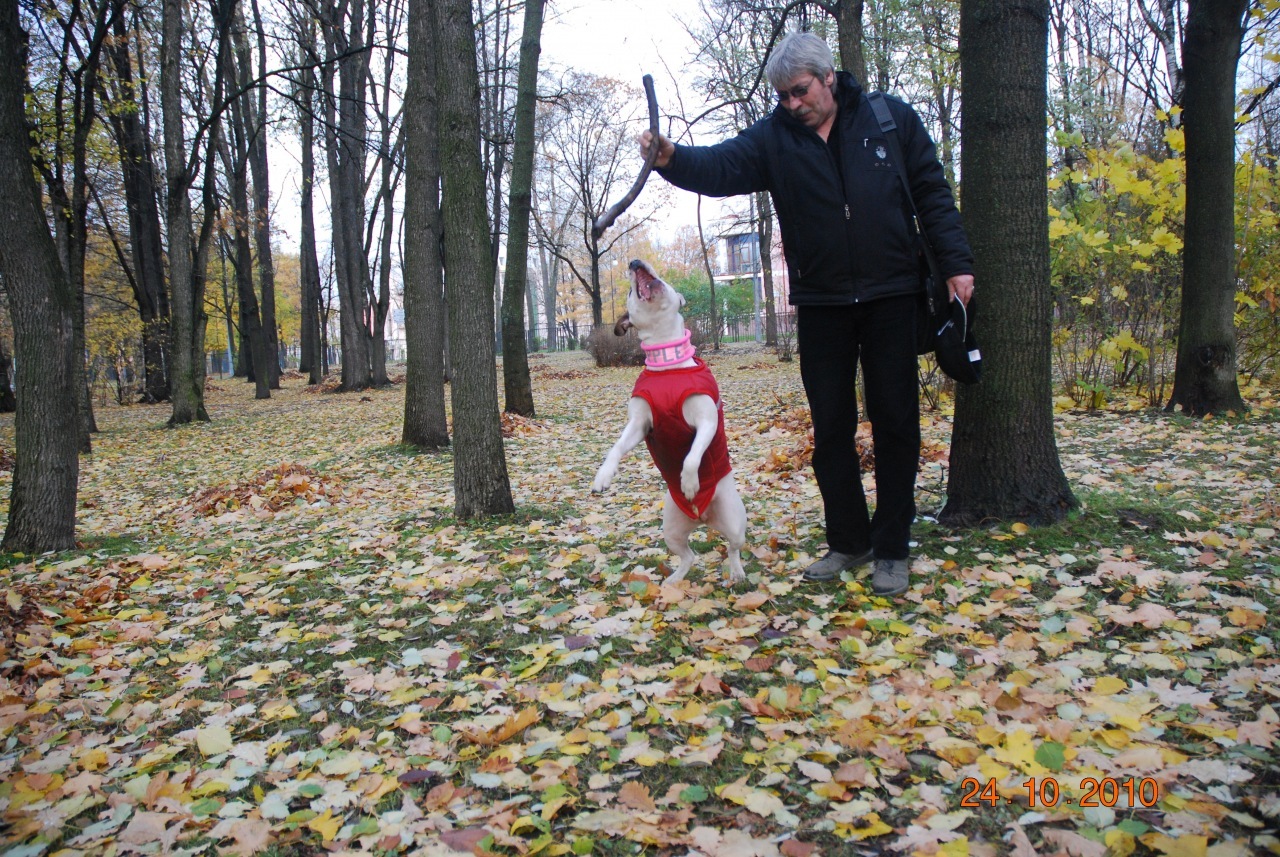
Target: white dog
x,y
675,408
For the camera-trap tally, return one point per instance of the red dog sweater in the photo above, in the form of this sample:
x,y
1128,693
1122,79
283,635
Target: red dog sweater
x,y
671,437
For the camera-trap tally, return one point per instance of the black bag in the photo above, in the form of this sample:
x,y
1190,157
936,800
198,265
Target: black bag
x,y
944,327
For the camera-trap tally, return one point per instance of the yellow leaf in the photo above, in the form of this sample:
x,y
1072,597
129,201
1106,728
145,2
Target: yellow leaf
x,y
94,759
536,667
551,807
214,740
948,820
1183,846
955,848
514,726
1020,528
1117,739
1120,843
279,711
649,758
326,825
692,711
1166,240
873,827
989,767
14,600
1109,684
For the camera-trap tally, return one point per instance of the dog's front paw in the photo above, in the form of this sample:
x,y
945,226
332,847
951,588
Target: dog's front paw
x,y
689,483
604,476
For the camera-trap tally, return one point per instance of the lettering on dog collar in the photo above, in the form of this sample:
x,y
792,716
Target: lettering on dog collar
x,y
668,353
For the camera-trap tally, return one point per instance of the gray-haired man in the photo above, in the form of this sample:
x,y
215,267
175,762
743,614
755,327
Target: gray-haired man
x,y
854,267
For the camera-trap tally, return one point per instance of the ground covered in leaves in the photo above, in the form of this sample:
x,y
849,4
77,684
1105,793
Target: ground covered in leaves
x,y
276,639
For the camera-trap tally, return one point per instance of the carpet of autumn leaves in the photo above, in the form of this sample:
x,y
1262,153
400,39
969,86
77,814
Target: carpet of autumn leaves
x,y
276,639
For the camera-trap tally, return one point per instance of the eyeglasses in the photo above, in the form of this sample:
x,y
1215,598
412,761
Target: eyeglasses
x,y
796,92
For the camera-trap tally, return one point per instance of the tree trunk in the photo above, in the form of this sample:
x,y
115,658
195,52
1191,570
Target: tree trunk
x,y
714,321
549,264
8,404
42,502
312,361
517,386
345,134
1204,380
138,175
239,155
765,237
425,423
380,304
256,124
480,483
1004,459
849,25
389,157
186,392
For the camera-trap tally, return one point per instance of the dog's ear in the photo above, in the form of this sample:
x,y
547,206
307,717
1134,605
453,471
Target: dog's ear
x,y
623,324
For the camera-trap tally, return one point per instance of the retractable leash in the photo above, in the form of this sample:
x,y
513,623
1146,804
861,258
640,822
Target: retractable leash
x,y
605,220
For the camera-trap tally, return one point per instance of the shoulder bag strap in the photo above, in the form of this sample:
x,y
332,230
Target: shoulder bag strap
x,y
890,130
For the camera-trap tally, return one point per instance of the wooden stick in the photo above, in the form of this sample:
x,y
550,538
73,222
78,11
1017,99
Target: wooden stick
x,y
605,220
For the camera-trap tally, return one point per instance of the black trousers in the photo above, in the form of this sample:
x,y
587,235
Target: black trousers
x,y
832,341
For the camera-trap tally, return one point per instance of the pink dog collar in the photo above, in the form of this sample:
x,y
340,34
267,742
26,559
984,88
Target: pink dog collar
x,y
668,353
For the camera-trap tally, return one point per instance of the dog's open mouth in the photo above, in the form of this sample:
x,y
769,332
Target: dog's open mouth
x,y
643,279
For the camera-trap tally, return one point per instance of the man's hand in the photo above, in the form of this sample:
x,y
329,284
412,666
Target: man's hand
x,y
960,286
666,149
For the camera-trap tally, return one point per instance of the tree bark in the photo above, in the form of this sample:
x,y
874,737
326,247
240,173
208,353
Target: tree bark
x,y
138,175
345,137
517,386
480,483
425,423
391,170
240,148
257,127
85,29
312,361
765,238
8,404
42,502
1004,459
186,383
849,26
1204,380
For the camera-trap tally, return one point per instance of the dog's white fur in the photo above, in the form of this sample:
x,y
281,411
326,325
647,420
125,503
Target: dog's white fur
x,y
657,319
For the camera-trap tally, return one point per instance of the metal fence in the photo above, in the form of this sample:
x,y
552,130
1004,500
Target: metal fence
x,y
737,328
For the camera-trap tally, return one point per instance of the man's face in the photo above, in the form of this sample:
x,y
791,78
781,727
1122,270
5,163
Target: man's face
x,y
809,98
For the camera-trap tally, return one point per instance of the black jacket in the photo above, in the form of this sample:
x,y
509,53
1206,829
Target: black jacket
x,y
846,229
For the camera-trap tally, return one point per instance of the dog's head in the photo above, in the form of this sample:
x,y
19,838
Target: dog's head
x,y
651,303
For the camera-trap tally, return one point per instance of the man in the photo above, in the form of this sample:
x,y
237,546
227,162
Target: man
x,y
854,265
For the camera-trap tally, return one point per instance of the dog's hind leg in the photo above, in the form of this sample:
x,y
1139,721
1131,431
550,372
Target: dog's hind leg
x,y
676,527
728,517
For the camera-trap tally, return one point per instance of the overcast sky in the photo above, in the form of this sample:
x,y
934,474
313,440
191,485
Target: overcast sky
x,y
624,39
627,39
